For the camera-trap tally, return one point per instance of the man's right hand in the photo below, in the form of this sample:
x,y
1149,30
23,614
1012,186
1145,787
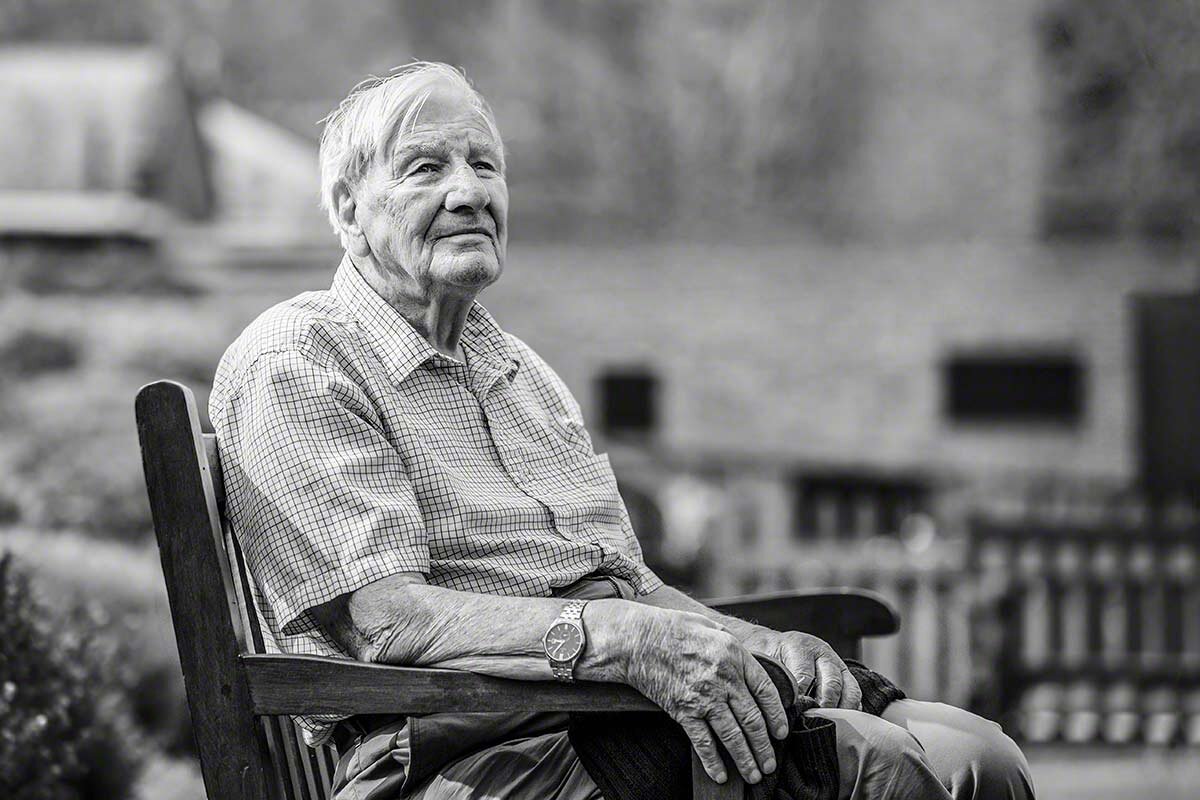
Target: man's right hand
x,y
701,675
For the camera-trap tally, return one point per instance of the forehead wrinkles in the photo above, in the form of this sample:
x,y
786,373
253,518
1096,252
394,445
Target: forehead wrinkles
x,y
440,138
472,123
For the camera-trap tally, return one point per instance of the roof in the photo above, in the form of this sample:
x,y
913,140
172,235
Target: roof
x,y
95,128
81,214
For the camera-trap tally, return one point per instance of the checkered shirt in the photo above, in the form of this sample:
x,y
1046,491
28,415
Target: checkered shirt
x,y
352,450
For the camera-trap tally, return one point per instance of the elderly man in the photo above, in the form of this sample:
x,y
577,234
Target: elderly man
x,y
412,485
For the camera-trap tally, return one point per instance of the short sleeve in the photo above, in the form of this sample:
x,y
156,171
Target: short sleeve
x,y
319,498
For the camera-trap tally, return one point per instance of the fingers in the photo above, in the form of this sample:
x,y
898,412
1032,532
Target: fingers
x,y
800,662
829,680
805,676
851,692
727,729
754,728
766,696
706,747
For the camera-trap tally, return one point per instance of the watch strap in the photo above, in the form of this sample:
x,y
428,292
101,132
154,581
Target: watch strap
x,y
564,671
571,612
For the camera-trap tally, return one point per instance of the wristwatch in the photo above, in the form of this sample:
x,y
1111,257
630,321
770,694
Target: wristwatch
x,y
565,639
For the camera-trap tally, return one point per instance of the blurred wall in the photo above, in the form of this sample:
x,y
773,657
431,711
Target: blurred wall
x,y
832,354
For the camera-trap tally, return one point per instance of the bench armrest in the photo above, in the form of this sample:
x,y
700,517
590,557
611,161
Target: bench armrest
x,y
293,684
840,614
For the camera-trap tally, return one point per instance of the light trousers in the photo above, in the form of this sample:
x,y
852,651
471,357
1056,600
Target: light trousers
x,y
916,751
923,750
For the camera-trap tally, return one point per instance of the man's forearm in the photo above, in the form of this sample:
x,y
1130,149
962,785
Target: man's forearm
x,y
403,620
671,598
677,653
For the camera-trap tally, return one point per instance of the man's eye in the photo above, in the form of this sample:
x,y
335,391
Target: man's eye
x,y
427,167
485,165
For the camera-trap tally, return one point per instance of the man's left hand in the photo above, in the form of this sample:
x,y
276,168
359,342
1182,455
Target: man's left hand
x,y
810,660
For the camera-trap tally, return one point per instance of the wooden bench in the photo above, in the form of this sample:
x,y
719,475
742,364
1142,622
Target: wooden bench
x,y
242,698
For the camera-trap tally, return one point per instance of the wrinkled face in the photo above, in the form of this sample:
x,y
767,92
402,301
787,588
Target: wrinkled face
x,y
435,204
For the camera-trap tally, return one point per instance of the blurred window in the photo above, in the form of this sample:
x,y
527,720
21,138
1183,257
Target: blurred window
x,y
839,506
1019,389
628,403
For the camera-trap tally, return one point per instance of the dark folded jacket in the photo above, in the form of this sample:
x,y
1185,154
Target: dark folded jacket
x,y
877,691
647,756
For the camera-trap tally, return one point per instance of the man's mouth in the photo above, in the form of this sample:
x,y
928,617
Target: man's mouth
x,y
466,232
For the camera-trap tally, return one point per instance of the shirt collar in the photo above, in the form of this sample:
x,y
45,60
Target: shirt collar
x,y
398,343
483,336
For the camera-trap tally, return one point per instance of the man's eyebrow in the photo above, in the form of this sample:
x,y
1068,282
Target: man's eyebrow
x,y
407,151
485,147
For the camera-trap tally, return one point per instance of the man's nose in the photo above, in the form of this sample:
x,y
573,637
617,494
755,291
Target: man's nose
x,y
466,191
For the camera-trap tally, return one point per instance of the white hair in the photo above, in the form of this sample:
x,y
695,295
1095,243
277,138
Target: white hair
x,y
375,113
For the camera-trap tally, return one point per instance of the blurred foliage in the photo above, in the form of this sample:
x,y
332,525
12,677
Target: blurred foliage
x,y
70,365
31,353
118,589
165,360
10,512
63,733
77,467
83,266
1123,107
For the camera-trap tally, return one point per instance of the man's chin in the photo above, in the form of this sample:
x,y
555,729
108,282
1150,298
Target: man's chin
x,y
467,270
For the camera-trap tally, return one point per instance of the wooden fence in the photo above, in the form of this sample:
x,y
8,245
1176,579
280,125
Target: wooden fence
x,y
1100,628
1071,611
772,538
930,657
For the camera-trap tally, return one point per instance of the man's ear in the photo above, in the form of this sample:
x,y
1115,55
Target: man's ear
x,y
346,209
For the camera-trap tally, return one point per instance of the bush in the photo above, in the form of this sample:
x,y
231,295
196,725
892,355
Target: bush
x,y
90,267
78,468
63,734
31,353
122,585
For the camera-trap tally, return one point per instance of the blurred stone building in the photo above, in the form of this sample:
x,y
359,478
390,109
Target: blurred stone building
x,y
96,141
108,149
999,304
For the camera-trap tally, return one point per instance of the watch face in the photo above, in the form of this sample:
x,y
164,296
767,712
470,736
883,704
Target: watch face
x,y
563,641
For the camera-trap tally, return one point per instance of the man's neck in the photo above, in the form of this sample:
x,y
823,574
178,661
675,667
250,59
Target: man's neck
x,y
441,321
438,313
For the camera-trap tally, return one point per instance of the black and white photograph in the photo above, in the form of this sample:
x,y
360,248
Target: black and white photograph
x,y
599,400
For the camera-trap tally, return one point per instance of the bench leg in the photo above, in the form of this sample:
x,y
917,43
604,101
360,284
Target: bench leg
x,y
704,788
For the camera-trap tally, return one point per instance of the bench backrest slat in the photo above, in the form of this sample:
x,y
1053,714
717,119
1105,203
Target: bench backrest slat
x,y
242,597
187,523
241,757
